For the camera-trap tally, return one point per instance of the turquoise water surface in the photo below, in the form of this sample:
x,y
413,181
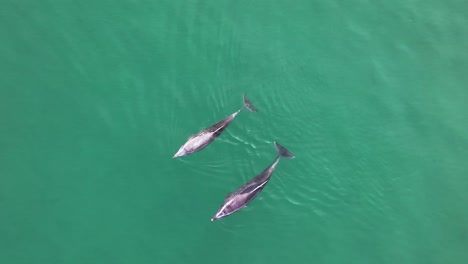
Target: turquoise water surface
x,y
97,96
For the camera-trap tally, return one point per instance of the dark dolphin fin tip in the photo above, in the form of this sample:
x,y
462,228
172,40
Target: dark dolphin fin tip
x,y
283,152
248,104
228,195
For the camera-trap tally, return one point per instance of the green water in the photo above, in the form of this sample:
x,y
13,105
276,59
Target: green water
x,y
97,96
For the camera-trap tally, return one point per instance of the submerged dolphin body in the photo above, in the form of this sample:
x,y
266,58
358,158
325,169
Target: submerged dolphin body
x,y
245,194
200,140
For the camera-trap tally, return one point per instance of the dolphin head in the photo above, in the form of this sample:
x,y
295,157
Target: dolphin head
x,y
223,211
181,152
218,215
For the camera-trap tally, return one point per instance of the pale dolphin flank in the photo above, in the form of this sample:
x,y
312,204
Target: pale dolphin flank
x,y
200,140
245,194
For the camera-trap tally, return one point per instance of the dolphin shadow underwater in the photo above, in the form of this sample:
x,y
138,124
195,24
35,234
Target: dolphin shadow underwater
x,y
246,193
203,138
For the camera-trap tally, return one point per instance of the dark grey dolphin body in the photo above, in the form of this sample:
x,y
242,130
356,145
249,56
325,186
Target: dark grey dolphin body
x,y
203,138
245,194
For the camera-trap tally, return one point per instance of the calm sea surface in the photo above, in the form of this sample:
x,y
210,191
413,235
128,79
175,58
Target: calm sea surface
x,y
97,96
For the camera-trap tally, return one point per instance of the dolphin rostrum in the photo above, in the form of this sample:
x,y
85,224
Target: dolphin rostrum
x,y
245,194
200,140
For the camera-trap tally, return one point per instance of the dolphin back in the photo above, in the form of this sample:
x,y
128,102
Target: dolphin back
x,y
283,152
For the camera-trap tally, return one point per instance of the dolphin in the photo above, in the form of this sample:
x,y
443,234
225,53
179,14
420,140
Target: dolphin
x,y
246,193
200,140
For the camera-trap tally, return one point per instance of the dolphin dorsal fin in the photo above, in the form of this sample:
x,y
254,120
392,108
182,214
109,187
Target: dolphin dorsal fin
x,y
228,196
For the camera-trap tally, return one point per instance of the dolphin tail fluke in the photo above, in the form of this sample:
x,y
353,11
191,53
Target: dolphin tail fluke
x,y
248,104
283,152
